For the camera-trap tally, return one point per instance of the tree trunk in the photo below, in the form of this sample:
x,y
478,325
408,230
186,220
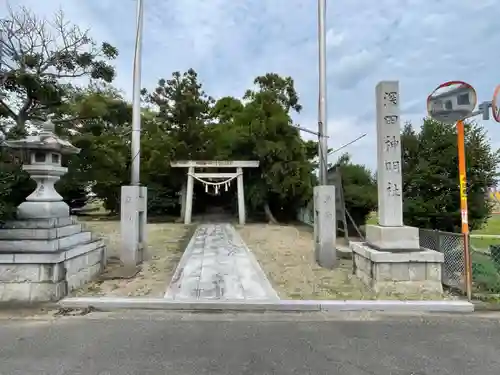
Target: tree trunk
x,y
269,215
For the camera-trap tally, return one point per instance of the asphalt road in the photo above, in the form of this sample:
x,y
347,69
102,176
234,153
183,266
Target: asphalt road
x,y
196,344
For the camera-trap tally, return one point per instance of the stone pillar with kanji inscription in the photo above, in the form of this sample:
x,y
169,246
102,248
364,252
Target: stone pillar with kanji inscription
x,y
390,208
391,259
390,233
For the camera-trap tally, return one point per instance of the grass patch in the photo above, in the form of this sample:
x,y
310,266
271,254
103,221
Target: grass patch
x,y
485,273
286,254
483,243
372,218
492,227
165,245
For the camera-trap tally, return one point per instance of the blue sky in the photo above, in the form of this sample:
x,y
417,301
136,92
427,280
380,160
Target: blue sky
x,y
421,43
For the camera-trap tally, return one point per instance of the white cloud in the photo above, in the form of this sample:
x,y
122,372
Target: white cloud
x,y
351,69
420,43
334,39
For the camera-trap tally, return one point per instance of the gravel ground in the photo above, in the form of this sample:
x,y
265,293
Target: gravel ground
x,y
286,255
165,244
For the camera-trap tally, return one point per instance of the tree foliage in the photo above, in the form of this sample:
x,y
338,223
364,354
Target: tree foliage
x,y
38,58
431,180
360,190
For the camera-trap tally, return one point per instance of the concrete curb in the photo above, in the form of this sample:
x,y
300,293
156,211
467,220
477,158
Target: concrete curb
x,y
129,303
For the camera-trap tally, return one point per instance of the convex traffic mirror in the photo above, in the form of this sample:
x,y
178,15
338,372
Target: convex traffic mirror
x,y
452,101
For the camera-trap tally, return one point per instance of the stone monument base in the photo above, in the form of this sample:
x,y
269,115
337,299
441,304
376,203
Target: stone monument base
x,y
415,272
43,260
396,239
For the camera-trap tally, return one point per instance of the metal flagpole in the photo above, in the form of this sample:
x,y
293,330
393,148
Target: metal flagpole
x,y
322,128
136,101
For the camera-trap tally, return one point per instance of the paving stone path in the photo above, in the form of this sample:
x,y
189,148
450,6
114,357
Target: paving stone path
x,y
217,265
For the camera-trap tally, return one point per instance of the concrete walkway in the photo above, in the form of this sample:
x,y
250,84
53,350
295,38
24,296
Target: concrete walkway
x,y
217,265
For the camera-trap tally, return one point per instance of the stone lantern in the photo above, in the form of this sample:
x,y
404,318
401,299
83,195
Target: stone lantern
x,y
44,166
45,253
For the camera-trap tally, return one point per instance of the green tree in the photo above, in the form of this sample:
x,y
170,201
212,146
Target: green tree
x,y
101,132
183,111
38,57
360,190
430,178
15,185
284,180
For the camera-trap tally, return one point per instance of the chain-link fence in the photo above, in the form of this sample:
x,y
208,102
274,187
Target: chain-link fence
x,y
452,247
485,259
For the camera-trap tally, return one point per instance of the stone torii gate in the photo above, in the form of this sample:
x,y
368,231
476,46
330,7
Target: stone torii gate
x,y
215,179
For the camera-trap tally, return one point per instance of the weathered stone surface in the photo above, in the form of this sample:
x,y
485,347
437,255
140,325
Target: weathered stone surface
x,y
400,271
20,274
389,166
325,224
133,213
32,292
425,255
398,239
40,246
433,272
83,261
42,210
48,282
83,276
218,265
395,273
39,234
51,272
42,262
15,292
39,223
382,270
418,271
43,292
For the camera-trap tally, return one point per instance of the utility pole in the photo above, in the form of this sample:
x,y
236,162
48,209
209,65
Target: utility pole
x,y
2,77
322,113
136,101
133,208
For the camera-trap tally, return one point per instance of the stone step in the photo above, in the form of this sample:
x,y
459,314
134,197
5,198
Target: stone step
x,y
49,277
51,257
39,234
40,223
344,252
44,246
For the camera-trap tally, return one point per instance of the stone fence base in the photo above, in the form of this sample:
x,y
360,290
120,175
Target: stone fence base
x,y
43,260
400,272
